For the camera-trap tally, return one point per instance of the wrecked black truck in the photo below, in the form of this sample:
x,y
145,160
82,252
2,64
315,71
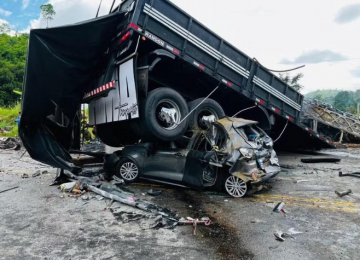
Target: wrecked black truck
x,y
150,73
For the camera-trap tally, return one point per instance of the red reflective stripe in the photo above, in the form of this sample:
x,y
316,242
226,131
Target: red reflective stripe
x,y
132,25
229,84
176,51
125,36
262,102
202,67
276,110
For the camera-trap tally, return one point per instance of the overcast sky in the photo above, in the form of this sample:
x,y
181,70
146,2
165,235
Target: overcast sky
x,y
324,35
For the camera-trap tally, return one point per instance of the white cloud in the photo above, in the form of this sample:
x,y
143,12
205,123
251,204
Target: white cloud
x,y
348,14
72,11
271,31
25,4
5,12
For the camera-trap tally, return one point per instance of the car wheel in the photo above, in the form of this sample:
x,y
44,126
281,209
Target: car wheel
x,y
127,170
161,113
235,186
208,108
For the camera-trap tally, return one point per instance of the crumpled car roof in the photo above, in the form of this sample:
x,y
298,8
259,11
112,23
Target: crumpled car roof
x,y
229,122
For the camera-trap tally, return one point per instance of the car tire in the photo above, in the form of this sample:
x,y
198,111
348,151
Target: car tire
x,y
127,170
235,186
150,126
207,108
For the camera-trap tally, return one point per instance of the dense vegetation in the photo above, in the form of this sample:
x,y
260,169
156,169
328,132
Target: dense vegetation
x,y
7,118
344,100
12,67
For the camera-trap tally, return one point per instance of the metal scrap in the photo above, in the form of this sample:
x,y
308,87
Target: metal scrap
x,y
10,143
344,193
353,174
9,189
320,160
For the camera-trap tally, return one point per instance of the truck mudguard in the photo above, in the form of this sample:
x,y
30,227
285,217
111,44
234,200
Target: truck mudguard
x,y
121,103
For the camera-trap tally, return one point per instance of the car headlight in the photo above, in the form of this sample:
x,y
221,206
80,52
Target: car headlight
x,y
247,153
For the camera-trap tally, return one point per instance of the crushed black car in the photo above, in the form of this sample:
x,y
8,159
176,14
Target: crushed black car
x,y
233,154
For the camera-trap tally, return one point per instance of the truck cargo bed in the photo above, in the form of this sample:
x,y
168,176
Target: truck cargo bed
x,y
176,31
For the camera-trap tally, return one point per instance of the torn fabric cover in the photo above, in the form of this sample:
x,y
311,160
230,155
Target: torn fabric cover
x,y
60,68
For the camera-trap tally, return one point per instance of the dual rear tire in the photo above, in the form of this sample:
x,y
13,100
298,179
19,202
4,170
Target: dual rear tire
x,y
162,116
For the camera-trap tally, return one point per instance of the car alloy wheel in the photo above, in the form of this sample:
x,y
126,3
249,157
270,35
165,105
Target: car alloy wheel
x,y
235,187
129,171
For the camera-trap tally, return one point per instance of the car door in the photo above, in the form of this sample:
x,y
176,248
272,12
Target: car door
x,y
165,165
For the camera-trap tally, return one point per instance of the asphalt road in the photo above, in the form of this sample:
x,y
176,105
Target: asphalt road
x,y
37,221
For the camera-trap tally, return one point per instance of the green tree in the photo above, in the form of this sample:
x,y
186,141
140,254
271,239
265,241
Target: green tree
x,y
292,81
344,100
48,13
12,66
319,97
4,28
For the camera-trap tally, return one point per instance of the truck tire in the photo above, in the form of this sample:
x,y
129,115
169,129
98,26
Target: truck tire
x,y
207,108
152,126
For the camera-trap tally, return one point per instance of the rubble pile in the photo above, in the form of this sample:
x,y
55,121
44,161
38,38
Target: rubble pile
x,y
10,143
97,187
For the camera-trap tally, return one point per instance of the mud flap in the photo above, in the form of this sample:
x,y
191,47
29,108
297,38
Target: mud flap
x,y
121,103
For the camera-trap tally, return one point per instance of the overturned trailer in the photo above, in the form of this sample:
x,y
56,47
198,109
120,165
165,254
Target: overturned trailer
x,y
148,71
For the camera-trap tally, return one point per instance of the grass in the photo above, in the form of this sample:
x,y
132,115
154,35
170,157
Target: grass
x,y
7,117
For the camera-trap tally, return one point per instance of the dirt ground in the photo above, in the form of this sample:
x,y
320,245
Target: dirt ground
x,y
38,221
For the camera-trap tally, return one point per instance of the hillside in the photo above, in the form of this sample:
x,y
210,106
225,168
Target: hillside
x,y
326,95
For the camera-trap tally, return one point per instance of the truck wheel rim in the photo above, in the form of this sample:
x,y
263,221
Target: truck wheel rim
x,y
129,171
167,103
235,186
205,112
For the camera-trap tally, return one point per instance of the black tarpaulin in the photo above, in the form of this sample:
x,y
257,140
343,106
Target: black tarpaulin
x,y
59,70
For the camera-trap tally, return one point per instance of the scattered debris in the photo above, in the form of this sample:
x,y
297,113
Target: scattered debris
x,y
99,197
117,180
353,174
320,160
204,220
287,166
279,235
300,181
152,192
24,176
279,207
10,143
68,186
344,193
85,197
124,198
37,173
9,189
